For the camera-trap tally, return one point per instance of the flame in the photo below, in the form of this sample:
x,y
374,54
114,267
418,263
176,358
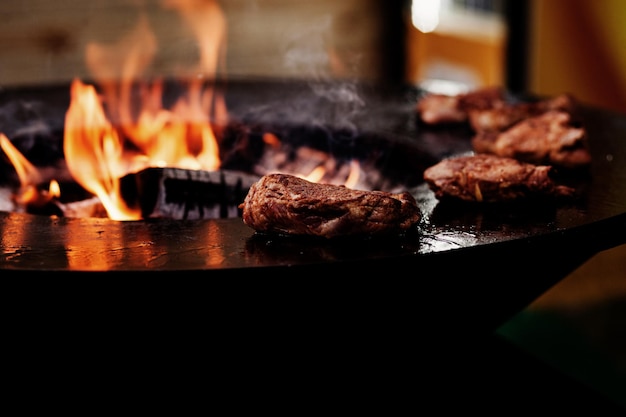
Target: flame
x,y
316,175
94,151
29,178
26,172
351,181
111,131
101,146
354,175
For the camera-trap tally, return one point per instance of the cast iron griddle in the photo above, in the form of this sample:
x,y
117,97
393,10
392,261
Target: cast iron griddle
x,y
518,251
40,243
452,239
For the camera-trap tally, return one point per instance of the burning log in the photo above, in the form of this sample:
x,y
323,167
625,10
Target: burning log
x,y
186,194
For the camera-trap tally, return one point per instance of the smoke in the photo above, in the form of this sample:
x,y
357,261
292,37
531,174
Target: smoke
x,y
306,50
312,92
37,135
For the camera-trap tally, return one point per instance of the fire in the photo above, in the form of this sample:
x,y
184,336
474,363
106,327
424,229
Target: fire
x,y
98,154
107,134
111,131
29,177
94,151
101,146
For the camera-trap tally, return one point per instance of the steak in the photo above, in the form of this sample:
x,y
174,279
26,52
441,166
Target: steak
x,y
436,108
286,204
501,115
488,178
551,138
486,109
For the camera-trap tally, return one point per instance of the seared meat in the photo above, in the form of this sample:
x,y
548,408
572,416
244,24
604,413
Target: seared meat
x,y
286,204
435,108
490,178
550,138
539,132
502,115
486,109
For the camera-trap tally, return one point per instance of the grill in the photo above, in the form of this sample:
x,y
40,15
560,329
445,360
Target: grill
x,y
450,245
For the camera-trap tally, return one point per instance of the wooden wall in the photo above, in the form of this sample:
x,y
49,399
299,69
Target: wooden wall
x,y
44,42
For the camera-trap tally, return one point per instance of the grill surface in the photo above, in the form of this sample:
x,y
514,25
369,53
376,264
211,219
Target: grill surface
x,y
538,244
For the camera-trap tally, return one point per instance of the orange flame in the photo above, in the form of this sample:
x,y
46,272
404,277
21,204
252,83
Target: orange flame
x,y
102,146
26,172
29,177
108,134
93,151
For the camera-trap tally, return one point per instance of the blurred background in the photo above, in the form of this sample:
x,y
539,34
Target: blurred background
x,y
528,46
544,48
